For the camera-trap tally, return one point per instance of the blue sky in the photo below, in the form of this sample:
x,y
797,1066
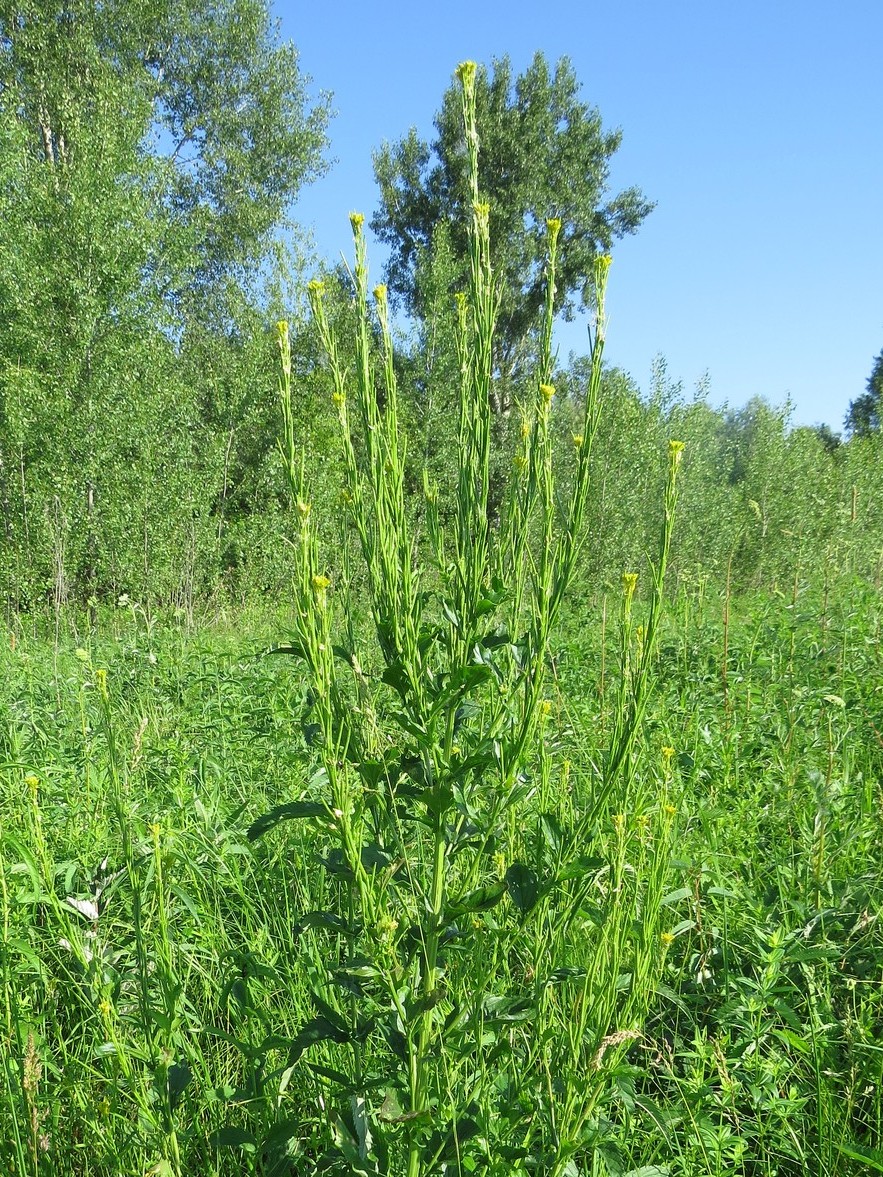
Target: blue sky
x,y
755,126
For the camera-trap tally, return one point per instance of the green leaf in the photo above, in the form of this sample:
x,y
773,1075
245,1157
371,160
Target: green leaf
x,y
523,886
318,1029
295,648
233,1138
324,919
872,1157
676,896
481,899
178,1077
294,811
507,1009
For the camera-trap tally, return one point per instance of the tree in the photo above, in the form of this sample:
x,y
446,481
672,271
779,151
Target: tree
x,y
866,411
148,151
544,153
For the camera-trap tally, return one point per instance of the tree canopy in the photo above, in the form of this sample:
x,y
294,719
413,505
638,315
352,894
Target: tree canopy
x,y
866,411
148,153
543,153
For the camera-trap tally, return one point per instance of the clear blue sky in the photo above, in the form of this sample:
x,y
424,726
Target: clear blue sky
x,y
756,127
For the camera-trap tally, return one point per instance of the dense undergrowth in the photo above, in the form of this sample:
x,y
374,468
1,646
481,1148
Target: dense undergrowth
x,y
169,1009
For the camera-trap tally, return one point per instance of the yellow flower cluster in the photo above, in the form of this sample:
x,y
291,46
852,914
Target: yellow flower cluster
x,y
466,71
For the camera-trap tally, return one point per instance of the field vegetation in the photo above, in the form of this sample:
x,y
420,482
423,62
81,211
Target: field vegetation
x,y
456,763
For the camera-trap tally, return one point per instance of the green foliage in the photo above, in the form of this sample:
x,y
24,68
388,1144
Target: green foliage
x,y
137,198
761,1049
544,153
863,417
430,741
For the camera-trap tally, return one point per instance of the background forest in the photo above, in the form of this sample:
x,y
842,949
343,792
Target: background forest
x,y
150,158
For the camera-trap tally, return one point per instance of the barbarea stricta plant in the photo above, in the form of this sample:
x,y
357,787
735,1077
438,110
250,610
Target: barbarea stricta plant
x,y
493,946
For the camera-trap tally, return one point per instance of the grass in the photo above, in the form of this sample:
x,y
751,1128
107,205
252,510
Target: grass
x,y
760,1053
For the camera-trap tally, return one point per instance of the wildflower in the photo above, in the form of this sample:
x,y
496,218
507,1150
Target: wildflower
x,y
386,925
466,73
675,452
380,293
303,509
629,584
357,220
316,287
282,332
671,810
577,439
545,708
81,655
105,1008
525,428
553,228
482,211
667,938
619,822
33,784
602,265
338,399
668,753
320,588
520,463
547,391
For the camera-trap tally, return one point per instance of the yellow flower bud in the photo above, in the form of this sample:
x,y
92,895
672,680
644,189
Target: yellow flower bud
x,y
629,583
547,391
577,439
466,71
357,220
